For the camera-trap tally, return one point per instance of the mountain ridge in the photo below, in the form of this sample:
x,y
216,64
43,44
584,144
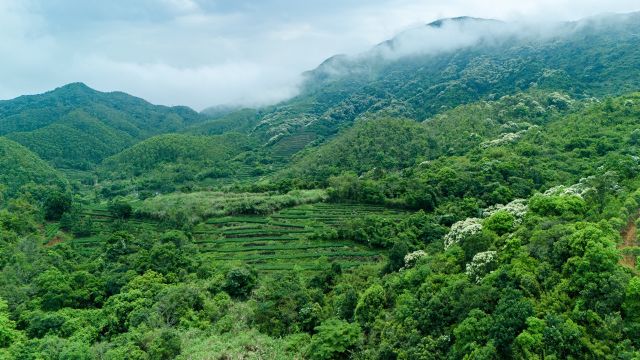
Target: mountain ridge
x,y
104,123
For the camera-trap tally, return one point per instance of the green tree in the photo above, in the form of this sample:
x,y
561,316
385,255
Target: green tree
x,y
56,204
370,306
334,339
120,209
8,333
500,222
166,345
240,282
53,289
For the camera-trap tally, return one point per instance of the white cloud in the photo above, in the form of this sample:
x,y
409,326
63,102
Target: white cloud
x,y
165,83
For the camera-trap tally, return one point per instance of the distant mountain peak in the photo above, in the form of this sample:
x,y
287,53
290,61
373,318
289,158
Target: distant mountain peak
x,y
76,87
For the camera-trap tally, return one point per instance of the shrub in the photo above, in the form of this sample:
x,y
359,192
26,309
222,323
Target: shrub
x,y
501,222
334,339
239,282
120,209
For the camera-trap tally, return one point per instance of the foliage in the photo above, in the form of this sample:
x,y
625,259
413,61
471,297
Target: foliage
x,y
202,205
77,127
163,162
492,230
20,167
383,144
239,282
334,339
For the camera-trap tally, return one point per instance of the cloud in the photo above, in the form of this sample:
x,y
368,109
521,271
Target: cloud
x,y
208,52
229,81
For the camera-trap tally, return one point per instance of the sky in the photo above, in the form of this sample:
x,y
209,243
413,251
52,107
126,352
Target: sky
x,y
202,53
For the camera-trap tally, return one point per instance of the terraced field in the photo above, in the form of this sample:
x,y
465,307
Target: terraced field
x,y
289,145
101,217
280,242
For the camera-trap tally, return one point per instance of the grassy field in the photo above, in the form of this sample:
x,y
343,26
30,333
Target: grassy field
x,y
199,206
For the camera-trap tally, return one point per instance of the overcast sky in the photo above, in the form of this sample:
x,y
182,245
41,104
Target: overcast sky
x,y
206,52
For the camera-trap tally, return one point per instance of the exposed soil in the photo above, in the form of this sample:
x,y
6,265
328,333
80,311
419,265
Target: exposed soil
x,y
629,239
54,241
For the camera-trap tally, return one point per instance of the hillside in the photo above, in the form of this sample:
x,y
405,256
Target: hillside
x,y
20,166
383,144
395,144
243,120
417,75
164,162
76,127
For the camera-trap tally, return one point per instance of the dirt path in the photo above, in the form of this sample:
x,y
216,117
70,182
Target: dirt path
x,y
629,239
56,240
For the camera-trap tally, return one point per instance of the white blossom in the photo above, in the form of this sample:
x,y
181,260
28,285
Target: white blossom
x,y
461,230
411,258
507,138
480,265
518,208
581,189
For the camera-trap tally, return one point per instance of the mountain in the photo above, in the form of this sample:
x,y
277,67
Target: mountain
x,y
76,127
20,166
242,120
383,144
391,144
165,162
427,70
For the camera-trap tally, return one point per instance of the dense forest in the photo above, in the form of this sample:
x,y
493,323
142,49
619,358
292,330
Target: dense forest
x,y
479,203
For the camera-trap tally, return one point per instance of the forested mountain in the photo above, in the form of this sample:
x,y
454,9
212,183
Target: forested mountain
x,y
20,167
473,196
395,144
164,162
76,127
427,70
243,120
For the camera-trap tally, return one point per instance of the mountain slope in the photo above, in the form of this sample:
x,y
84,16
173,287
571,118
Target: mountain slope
x,y
164,162
428,70
243,121
20,166
76,127
385,144
393,144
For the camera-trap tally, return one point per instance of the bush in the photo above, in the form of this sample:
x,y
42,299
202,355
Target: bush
x,y
120,209
334,339
239,282
55,204
546,205
501,222
370,305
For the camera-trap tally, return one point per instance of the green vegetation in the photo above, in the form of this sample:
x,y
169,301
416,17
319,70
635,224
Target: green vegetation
x,y
200,206
241,121
165,162
20,167
502,224
387,144
76,127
